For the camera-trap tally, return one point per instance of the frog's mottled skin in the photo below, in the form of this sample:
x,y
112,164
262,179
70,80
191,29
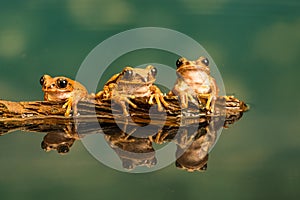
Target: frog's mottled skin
x,y
63,89
194,82
132,83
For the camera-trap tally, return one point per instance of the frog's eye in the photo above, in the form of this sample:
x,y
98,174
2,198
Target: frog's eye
x,y
128,74
63,149
44,145
62,83
204,167
179,62
205,61
177,164
154,71
42,80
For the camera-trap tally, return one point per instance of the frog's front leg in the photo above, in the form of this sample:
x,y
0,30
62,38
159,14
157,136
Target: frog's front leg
x,y
68,105
159,137
159,98
192,99
122,100
183,101
209,98
185,98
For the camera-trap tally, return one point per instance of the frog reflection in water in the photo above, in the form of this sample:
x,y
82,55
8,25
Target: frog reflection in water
x,y
133,153
194,82
61,141
57,141
193,149
132,83
63,89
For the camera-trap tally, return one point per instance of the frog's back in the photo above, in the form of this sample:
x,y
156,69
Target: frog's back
x,y
113,79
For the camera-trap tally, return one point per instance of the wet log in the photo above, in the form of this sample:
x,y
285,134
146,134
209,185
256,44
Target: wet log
x,y
42,116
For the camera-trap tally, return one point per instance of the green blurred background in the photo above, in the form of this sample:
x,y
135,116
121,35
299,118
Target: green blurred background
x,y
256,46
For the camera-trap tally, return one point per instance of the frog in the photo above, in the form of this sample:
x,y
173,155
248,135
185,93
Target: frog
x,y
61,88
132,83
195,83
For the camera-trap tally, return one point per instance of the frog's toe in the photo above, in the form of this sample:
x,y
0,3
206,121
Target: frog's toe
x,y
125,113
67,113
68,106
183,105
162,100
150,102
159,107
131,103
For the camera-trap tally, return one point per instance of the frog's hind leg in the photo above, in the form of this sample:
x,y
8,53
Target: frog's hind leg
x,y
99,95
129,102
104,94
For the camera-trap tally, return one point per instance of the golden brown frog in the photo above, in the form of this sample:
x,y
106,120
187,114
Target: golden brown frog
x,y
132,83
63,89
194,82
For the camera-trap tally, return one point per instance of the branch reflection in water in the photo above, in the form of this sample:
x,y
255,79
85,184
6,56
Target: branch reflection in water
x,y
192,147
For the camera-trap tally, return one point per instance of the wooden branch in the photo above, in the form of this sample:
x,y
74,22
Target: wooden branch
x,y
29,115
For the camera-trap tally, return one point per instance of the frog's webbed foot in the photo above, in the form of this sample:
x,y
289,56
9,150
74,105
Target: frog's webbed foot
x,y
209,103
68,105
71,132
159,98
